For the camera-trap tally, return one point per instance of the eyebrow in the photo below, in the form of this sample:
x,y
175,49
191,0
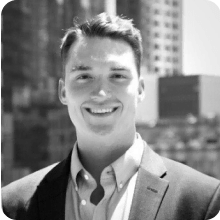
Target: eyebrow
x,y
81,68
85,68
120,68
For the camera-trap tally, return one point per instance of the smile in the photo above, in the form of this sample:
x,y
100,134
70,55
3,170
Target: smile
x,y
101,111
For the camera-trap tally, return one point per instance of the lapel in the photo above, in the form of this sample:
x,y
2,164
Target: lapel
x,y
52,192
149,190
150,187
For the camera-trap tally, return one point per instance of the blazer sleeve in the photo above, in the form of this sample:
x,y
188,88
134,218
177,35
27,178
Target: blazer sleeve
x,y
214,206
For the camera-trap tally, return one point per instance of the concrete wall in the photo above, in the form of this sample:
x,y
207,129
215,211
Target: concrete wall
x,y
209,95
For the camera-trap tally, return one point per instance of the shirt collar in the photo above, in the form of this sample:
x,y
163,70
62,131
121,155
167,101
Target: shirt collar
x,y
76,165
124,167
127,165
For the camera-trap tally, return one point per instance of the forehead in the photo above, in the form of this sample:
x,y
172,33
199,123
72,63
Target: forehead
x,y
102,49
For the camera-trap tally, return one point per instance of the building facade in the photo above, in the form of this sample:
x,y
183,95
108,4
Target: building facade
x,y
62,135
160,22
31,67
182,96
185,125
161,27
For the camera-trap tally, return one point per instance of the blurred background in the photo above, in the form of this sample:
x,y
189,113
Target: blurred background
x,y
179,118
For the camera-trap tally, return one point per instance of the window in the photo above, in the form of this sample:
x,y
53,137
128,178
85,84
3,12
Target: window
x,y
167,47
168,59
175,3
168,13
156,23
156,35
175,49
176,72
156,69
156,46
175,15
175,26
167,25
175,37
167,36
156,12
156,58
167,2
175,60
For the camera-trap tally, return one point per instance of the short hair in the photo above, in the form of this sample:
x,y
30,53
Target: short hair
x,y
103,25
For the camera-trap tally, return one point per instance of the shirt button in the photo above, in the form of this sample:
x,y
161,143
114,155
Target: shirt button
x,y
83,202
86,177
120,185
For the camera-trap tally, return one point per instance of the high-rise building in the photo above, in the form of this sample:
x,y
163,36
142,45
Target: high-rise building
x,y
180,119
8,52
31,66
160,22
195,95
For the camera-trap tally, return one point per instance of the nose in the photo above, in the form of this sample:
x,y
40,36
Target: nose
x,y
101,91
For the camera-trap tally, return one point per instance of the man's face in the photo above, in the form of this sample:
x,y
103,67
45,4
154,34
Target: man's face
x,y
101,87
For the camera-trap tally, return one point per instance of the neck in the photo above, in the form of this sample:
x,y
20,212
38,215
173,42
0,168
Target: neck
x,y
97,152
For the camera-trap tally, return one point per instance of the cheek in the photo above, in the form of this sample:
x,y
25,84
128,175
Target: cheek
x,y
132,91
129,100
133,96
76,93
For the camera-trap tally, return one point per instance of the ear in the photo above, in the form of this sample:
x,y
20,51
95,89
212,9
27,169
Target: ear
x,y
62,92
141,92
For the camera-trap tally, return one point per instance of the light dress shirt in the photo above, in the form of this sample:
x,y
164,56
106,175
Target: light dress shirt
x,y
118,180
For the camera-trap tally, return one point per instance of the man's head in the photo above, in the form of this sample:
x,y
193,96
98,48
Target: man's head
x,y
103,25
102,87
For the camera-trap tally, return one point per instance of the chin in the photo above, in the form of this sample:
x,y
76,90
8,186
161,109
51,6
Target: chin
x,y
102,130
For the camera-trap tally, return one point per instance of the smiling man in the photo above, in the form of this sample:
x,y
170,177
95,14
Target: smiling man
x,y
111,173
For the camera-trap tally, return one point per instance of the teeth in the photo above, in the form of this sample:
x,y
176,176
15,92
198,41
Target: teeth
x,y
101,111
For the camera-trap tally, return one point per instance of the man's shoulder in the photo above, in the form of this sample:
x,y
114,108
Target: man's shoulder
x,y
190,188
188,177
16,194
30,180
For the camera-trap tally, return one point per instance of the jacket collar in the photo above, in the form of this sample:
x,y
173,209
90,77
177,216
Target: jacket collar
x,y
149,190
52,191
150,187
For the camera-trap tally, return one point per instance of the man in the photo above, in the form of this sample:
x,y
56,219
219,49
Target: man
x,y
111,173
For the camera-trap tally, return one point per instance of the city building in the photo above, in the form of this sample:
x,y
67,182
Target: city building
x,y
177,97
160,22
7,134
61,134
182,120
194,143
162,30
189,96
31,67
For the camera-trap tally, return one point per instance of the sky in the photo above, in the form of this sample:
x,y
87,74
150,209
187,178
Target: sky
x,y
201,37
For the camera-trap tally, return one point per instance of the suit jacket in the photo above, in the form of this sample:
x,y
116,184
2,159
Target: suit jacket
x,y
165,190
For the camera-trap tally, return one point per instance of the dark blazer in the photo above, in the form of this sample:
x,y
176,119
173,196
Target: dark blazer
x,y
165,190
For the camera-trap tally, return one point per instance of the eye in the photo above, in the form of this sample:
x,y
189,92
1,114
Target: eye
x,y
83,77
118,76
